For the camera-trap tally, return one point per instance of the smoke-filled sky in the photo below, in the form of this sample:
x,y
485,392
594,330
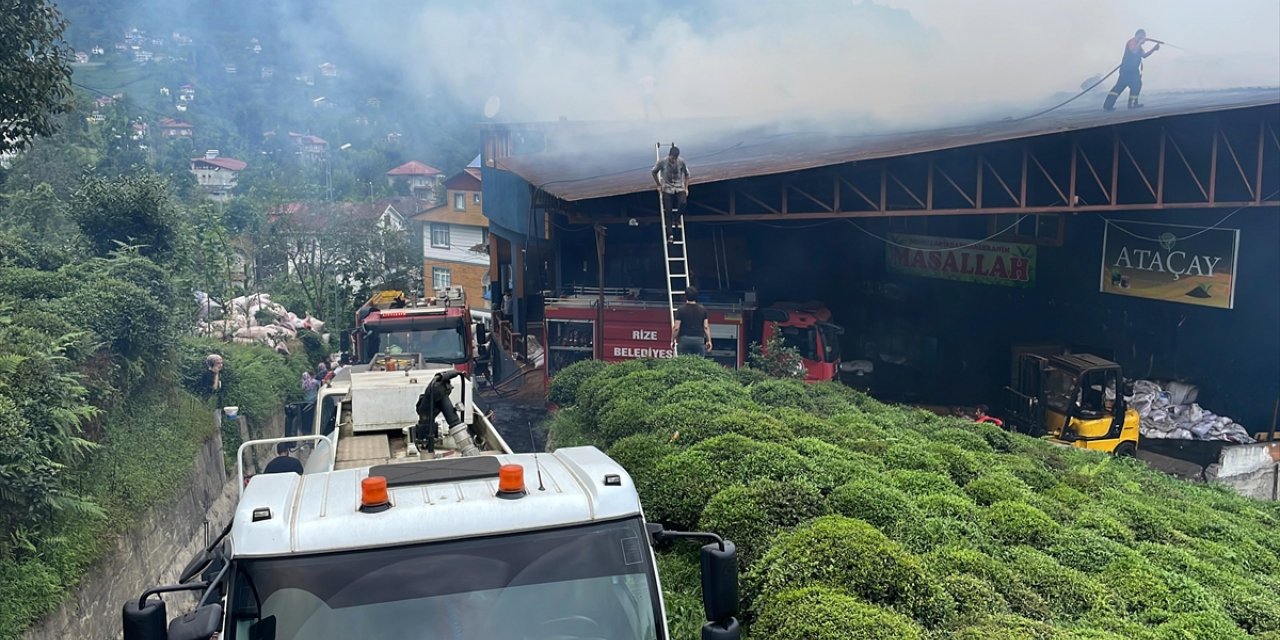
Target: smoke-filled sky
x,y
893,59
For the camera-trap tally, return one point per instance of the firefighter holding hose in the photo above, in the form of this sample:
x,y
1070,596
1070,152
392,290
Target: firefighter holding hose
x,y
1130,71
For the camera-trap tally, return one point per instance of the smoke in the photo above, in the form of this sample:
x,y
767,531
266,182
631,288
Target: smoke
x,y
896,61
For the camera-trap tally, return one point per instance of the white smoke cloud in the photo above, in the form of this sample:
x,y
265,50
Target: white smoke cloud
x,y
897,61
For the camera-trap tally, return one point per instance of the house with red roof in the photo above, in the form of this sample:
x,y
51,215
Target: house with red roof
x,y
217,175
417,180
170,128
311,148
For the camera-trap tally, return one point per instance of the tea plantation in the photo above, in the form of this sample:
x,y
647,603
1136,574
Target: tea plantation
x,y
858,519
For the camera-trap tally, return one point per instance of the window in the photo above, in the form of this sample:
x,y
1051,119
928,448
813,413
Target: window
x,y
441,278
439,235
484,236
1043,229
475,198
459,202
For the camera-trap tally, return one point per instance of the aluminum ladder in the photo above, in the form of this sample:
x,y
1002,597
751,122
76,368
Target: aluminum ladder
x,y
675,256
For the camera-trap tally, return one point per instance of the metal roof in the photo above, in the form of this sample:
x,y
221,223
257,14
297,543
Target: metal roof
x,y
319,512
614,159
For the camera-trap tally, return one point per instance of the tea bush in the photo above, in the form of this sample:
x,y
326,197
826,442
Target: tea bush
x,y
856,518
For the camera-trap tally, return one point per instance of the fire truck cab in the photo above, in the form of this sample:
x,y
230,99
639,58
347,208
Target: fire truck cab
x,y
807,327
440,328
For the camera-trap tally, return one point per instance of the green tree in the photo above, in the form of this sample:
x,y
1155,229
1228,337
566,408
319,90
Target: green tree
x,y
335,257
38,215
60,160
135,210
35,72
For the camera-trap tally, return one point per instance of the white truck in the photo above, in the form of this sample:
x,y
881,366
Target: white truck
x,y
425,525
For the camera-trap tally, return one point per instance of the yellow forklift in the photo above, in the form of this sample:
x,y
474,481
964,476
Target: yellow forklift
x,y
1076,400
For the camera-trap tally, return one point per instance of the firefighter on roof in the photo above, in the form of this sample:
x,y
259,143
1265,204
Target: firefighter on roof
x,y
1130,71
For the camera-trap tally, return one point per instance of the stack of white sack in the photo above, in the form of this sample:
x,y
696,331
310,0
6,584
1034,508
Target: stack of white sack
x,y
253,319
1164,418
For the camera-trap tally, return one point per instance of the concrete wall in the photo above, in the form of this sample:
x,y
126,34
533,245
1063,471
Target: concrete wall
x,y
155,551
1252,470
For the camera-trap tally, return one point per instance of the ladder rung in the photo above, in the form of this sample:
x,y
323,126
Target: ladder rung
x,y
675,259
675,292
680,275
675,242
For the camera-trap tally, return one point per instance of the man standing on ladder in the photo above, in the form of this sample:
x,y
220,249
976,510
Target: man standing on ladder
x,y
1130,71
674,186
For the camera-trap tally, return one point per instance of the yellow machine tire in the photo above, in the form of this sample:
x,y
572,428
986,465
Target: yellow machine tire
x,y
1126,449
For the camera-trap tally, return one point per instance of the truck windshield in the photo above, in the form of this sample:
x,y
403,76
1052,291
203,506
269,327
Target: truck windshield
x,y
802,339
444,345
584,583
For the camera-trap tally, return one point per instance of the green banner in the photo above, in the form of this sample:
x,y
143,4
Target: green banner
x,y
1174,263
984,262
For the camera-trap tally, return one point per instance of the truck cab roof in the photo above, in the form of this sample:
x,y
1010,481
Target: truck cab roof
x,y
287,513
1078,363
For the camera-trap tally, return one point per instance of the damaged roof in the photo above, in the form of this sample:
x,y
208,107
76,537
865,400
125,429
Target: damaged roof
x,y
609,159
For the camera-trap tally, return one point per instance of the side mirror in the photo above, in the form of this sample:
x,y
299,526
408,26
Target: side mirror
x,y
722,631
145,622
482,334
197,625
720,581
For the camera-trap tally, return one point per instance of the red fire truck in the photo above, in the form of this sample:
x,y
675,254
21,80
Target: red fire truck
x,y
640,328
439,328
806,326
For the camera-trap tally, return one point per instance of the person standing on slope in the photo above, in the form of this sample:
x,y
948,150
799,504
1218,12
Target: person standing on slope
x,y
1130,71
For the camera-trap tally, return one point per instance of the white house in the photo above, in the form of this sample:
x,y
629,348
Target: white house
x,y
217,176
422,180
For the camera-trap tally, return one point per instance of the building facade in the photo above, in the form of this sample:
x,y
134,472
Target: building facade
x,y
945,256
418,180
455,238
217,175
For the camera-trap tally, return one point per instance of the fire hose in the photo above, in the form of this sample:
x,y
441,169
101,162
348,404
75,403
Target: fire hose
x,y
1090,87
435,401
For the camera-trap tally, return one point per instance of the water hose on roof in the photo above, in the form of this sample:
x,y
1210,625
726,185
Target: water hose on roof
x,y
1092,86
1071,99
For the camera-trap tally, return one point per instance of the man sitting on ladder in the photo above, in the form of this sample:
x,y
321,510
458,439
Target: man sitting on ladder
x,y
674,186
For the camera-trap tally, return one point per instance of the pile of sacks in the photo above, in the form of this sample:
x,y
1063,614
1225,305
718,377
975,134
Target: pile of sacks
x,y
240,321
1175,416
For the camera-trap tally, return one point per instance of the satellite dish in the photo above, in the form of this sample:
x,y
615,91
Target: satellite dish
x,y
491,106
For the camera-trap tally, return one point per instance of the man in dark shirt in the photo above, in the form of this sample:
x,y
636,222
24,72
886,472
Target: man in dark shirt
x,y
283,462
692,330
1130,71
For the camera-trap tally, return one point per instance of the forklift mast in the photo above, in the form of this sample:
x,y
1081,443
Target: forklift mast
x,y
1024,402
